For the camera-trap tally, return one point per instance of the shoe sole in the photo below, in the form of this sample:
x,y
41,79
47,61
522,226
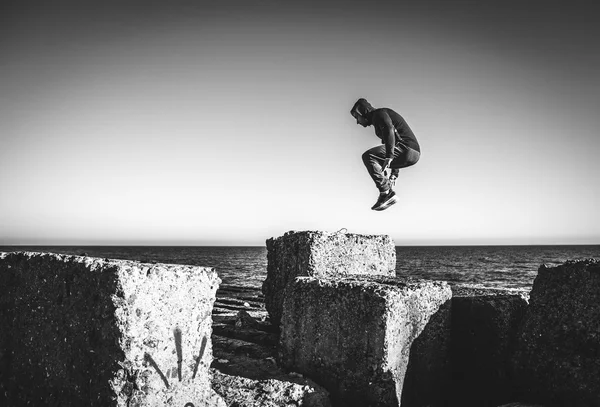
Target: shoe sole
x,y
387,204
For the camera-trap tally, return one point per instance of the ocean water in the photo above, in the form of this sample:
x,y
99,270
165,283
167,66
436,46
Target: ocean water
x,y
512,267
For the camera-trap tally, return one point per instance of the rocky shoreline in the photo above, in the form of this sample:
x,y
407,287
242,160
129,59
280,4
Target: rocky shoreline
x,y
245,343
174,335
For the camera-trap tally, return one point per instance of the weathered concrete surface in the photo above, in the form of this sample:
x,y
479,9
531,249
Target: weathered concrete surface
x,y
243,392
484,330
245,372
429,363
87,331
520,405
321,254
353,335
557,361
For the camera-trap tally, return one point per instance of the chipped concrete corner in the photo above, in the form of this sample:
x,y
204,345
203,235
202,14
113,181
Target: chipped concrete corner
x,y
89,331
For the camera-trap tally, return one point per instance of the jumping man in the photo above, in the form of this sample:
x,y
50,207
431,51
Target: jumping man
x,y
399,148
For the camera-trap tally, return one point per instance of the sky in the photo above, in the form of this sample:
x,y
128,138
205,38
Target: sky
x,y
227,122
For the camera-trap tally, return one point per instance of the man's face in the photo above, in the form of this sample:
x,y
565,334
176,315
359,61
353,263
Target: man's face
x,y
360,119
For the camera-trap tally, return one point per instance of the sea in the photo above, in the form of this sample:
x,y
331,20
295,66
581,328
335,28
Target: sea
x,y
509,267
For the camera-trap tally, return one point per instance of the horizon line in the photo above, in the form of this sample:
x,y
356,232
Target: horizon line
x,y
158,244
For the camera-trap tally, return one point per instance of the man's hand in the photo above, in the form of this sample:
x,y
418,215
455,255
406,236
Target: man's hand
x,y
386,163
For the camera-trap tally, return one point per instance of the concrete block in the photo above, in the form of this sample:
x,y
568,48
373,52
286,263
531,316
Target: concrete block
x,y
557,361
484,330
354,335
97,332
517,404
321,254
242,391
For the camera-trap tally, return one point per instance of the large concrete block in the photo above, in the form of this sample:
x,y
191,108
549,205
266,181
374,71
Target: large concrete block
x,y
558,351
321,254
245,392
86,331
484,330
354,335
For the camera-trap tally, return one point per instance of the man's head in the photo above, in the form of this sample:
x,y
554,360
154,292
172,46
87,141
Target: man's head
x,y
360,111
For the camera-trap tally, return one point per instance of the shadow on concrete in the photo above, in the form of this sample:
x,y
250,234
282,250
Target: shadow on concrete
x,y
59,338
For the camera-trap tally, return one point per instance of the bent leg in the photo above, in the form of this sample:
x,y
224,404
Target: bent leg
x,y
373,160
403,157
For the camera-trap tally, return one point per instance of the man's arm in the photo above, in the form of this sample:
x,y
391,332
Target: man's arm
x,y
386,130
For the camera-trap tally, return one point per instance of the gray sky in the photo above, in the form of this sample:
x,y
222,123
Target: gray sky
x,y
227,122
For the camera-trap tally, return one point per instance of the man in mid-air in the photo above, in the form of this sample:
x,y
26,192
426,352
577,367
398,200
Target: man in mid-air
x,y
399,148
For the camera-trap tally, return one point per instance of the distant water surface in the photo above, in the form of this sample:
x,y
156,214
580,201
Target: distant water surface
x,y
481,266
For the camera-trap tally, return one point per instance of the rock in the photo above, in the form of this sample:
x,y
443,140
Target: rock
x,y
95,332
484,330
520,405
353,335
256,336
244,392
321,254
229,347
244,320
557,361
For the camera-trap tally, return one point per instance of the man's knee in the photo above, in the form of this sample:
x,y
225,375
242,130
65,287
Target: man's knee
x,y
366,157
405,161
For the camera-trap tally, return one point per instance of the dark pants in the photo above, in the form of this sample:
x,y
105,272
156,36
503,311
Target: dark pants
x,y
373,159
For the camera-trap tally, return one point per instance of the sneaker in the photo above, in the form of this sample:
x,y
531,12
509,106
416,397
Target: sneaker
x,y
379,202
388,203
385,201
